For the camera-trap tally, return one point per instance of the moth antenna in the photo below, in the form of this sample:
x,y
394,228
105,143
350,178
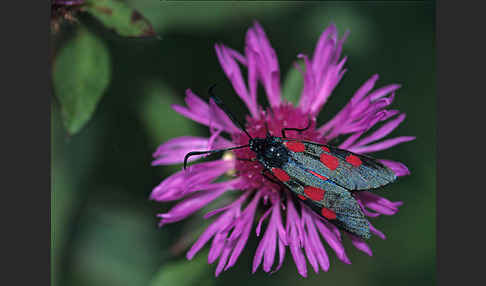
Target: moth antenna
x,y
309,123
193,153
221,105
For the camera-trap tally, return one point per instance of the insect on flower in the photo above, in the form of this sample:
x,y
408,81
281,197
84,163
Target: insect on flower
x,y
324,177
281,163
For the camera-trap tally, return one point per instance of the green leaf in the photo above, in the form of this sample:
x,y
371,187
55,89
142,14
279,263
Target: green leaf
x,y
293,84
118,16
80,76
185,272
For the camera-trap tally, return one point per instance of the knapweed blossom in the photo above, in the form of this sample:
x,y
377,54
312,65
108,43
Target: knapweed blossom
x,y
289,223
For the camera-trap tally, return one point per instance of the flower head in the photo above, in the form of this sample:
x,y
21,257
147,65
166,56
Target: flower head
x,y
289,223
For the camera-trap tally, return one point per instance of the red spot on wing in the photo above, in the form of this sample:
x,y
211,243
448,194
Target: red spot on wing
x,y
353,160
302,197
314,193
317,175
327,213
295,146
281,174
326,149
330,161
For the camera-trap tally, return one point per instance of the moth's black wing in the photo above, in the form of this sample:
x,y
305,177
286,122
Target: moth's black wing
x,y
352,171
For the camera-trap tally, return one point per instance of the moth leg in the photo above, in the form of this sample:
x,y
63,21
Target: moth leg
x,y
309,123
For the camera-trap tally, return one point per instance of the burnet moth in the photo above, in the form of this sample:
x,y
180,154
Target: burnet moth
x,y
325,178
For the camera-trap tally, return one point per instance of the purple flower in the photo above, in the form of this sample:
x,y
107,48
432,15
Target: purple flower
x,y
287,225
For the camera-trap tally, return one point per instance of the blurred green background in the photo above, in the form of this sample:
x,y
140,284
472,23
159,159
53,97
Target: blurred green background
x,y
104,230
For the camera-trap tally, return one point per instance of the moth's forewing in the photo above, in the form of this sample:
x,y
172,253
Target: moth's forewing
x,y
352,171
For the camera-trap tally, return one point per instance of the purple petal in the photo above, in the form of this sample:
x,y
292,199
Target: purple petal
x,y
197,177
324,72
257,259
398,168
252,79
366,211
318,247
382,131
299,259
364,89
217,246
294,227
239,57
174,150
336,123
377,232
250,210
360,127
260,222
308,248
370,213
190,206
194,102
327,86
381,145
333,241
281,254
198,110
219,118
295,237
312,244
360,244
368,108
309,90
216,211
266,62
378,203
339,45
383,91
323,53
267,246
242,219
209,233
240,245
217,226
233,72
179,143
323,63
269,252
222,260
350,140
361,113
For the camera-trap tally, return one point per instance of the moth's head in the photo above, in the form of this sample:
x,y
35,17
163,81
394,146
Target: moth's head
x,y
266,146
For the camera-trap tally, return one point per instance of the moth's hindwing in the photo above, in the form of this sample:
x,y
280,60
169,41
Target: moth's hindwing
x,y
327,198
351,171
